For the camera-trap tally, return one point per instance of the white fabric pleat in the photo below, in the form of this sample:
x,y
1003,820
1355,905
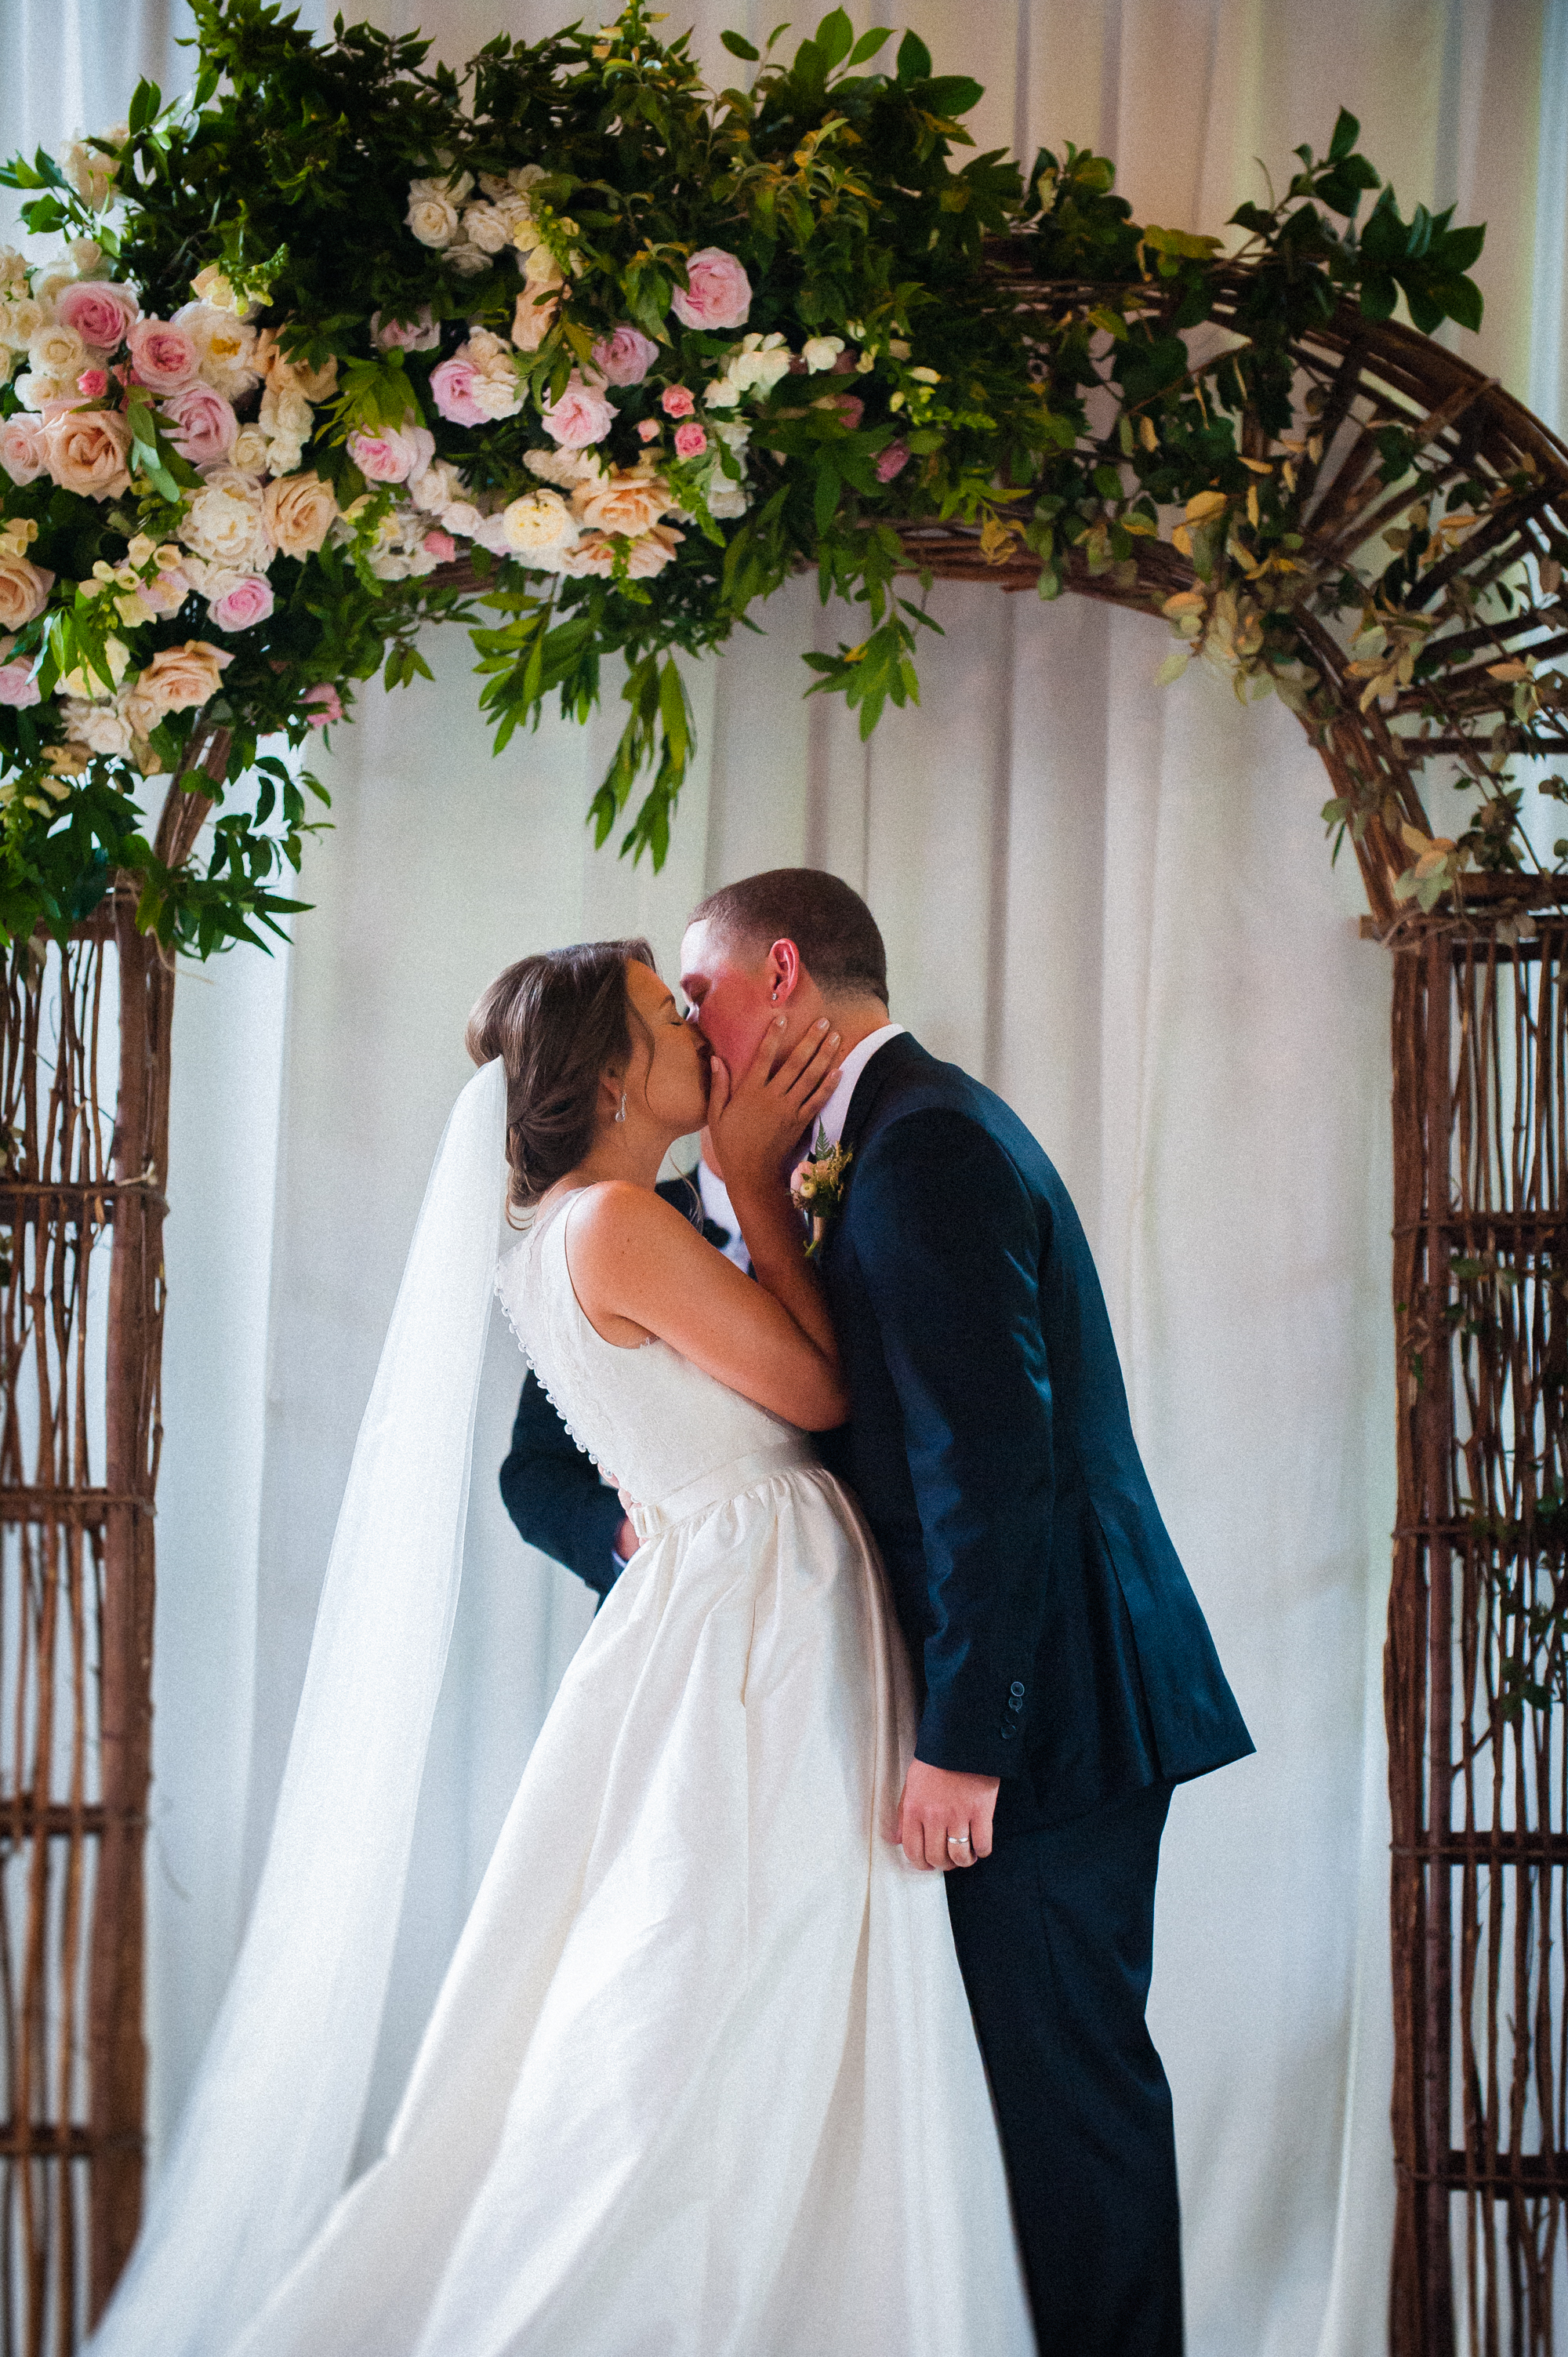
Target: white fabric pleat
x,y
268,2132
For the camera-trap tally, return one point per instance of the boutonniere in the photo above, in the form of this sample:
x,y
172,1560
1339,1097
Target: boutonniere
x,y
818,1188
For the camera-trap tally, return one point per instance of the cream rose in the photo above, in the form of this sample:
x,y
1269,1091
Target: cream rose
x,y
21,316
24,591
102,728
224,348
174,681
537,521
56,350
88,449
619,503
250,450
301,512
226,522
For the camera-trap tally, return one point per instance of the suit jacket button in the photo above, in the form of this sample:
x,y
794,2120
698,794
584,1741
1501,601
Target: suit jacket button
x,y
1009,1728
1016,1702
1016,1688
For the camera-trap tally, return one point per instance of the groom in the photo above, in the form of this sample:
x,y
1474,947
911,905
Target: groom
x,y
1067,1678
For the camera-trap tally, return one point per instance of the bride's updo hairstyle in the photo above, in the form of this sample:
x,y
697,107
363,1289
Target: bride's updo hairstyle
x,y
557,1021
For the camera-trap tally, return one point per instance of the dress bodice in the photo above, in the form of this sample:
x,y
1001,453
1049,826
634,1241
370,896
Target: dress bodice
x,y
665,1429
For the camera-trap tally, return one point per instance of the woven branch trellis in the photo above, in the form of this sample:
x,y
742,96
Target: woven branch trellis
x,y
1477,1656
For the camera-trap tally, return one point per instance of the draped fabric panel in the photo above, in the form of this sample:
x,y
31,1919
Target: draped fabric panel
x,y
1111,901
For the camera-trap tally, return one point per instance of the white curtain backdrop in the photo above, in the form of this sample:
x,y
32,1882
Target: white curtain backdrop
x,y
1111,902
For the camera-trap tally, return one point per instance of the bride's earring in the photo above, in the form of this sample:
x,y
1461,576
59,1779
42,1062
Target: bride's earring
x,y
622,1115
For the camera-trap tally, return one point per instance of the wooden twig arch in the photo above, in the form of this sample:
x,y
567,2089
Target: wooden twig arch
x,y
1477,1658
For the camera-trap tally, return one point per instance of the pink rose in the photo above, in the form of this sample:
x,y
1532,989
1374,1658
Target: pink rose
x,y
17,685
676,401
92,383
327,704
581,416
23,453
204,423
626,356
164,358
892,461
452,387
102,314
393,454
248,600
441,546
717,293
420,334
690,440
648,430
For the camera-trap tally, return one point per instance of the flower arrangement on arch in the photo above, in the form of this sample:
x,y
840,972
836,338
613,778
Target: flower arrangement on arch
x,y
581,352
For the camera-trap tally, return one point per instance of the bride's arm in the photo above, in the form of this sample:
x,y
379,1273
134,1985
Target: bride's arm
x,y
636,1264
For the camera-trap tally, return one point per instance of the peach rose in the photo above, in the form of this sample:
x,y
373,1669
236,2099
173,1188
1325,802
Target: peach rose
x,y
620,502
285,375
532,319
24,591
717,293
88,449
174,681
23,453
301,512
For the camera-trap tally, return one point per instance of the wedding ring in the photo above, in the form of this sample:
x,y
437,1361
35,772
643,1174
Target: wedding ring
x,y
956,1841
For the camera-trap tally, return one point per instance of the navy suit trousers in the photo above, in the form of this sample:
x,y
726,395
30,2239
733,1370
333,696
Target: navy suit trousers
x,y
1054,1938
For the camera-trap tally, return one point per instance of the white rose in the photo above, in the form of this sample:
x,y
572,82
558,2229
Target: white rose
x,y
86,257
102,728
467,259
726,500
436,487
225,346
226,522
723,393
284,412
538,519
21,318
92,173
56,352
486,227
433,205
285,457
249,451
564,466
12,268
821,352
52,283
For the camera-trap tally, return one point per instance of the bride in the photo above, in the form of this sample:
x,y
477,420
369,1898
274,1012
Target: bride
x,y
701,2080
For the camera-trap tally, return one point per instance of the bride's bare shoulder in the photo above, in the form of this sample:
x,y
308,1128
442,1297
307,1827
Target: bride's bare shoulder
x,y
612,1213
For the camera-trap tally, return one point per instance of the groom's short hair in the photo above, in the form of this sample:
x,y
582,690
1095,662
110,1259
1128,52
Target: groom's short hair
x,y
835,932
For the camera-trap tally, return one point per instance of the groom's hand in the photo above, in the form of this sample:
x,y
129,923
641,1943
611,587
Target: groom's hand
x,y
942,1802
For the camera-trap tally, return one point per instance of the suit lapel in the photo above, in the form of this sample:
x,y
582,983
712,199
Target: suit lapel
x,y
882,1079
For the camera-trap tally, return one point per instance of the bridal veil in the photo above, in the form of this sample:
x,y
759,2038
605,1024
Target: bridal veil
x,y
264,2146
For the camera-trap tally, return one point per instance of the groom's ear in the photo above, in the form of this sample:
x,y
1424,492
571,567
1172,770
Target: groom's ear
x,y
784,973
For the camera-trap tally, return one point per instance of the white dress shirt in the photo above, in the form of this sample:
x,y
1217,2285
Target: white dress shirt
x,y
835,1112
717,1207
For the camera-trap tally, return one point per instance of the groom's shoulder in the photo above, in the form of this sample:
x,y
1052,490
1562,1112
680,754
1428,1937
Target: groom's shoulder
x,y
921,1083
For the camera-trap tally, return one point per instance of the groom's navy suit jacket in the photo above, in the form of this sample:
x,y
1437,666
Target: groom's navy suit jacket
x,y
1054,1635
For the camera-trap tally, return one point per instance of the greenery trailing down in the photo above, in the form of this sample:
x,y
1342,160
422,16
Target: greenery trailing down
x,y
578,351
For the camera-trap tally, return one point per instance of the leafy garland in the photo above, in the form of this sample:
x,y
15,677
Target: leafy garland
x,y
573,349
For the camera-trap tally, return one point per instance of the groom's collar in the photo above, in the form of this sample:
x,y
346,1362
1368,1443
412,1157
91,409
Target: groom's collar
x,y
830,1121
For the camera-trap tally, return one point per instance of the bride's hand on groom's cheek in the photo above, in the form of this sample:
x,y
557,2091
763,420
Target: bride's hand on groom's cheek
x,y
759,1119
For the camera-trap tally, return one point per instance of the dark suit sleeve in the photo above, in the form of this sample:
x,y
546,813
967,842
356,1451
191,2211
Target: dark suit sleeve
x,y
950,1246
555,1495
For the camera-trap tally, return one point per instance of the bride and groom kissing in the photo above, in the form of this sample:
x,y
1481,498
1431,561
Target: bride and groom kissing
x,y
801,2008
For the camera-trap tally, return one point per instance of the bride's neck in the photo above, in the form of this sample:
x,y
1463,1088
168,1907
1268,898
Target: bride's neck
x,y
632,1150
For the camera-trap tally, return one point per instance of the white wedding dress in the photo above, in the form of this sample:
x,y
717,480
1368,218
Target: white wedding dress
x,y
702,2081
